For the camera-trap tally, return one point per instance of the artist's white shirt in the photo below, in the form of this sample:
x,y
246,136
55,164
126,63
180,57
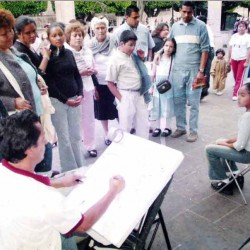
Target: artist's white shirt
x,y
32,213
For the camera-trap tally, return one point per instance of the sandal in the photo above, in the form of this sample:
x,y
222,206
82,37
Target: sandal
x,y
92,153
156,132
166,132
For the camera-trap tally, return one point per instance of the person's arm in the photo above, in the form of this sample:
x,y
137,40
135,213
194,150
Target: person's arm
x,y
67,179
204,56
45,59
150,53
91,216
228,142
113,89
229,56
212,70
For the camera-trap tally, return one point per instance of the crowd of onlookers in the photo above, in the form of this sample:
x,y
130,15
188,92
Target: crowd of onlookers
x,y
71,79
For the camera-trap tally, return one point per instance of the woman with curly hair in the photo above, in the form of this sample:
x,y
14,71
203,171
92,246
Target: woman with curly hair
x,y
159,35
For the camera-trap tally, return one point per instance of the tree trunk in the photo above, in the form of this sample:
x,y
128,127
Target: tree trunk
x,y
141,5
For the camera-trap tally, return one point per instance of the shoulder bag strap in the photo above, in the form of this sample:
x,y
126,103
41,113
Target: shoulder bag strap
x,y
170,67
11,79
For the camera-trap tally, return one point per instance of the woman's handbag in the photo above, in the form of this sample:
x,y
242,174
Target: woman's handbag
x,y
164,85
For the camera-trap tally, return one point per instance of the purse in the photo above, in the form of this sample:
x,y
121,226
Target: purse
x,y
164,85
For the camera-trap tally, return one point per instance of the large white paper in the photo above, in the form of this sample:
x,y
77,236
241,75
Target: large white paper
x,y
146,166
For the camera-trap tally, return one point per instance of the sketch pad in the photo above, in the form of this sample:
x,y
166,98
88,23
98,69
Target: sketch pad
x,y
146,166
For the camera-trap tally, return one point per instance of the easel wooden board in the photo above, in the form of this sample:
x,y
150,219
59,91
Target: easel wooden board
x,y
146,166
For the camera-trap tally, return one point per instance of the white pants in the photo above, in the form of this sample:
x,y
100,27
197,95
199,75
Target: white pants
x,y
88,120
133,108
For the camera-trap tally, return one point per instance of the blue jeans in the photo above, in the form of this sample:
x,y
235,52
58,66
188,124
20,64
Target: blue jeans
x,y
68,243
183,95
216,156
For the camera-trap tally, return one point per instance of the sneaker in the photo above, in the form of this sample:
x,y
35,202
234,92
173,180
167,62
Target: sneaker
x,y
234,98
192,137
240,180
178,133
228,190
219,93
156,132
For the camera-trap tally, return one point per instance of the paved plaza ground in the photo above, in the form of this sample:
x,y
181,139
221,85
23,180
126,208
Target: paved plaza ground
x,y
197,218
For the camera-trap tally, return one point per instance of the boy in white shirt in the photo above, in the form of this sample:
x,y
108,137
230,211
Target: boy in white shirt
x,y
124,82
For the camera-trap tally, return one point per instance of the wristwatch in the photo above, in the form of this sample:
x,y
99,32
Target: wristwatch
x,y
201,70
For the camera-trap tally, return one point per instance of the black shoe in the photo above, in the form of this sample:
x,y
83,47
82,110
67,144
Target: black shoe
x,y
166,132
228,190
107,142
132,131
92,153
156,132
240,180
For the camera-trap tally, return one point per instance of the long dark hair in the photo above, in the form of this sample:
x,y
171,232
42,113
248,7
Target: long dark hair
x,y
173,41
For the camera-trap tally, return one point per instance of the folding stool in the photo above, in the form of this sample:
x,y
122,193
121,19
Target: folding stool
x,y
234,178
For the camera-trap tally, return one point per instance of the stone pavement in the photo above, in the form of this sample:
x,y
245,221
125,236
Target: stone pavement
x,y
196,216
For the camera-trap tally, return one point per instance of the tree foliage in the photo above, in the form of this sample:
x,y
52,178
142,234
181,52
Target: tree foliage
x,y
153,8
24,7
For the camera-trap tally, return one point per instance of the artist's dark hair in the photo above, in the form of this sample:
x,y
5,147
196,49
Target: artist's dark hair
x,y
18,133
188,4
127,35
220,51
174,42
130,9
21,22
158,29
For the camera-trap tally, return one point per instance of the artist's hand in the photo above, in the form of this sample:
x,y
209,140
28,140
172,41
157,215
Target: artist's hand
x,y
116,184
22,104
71,179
